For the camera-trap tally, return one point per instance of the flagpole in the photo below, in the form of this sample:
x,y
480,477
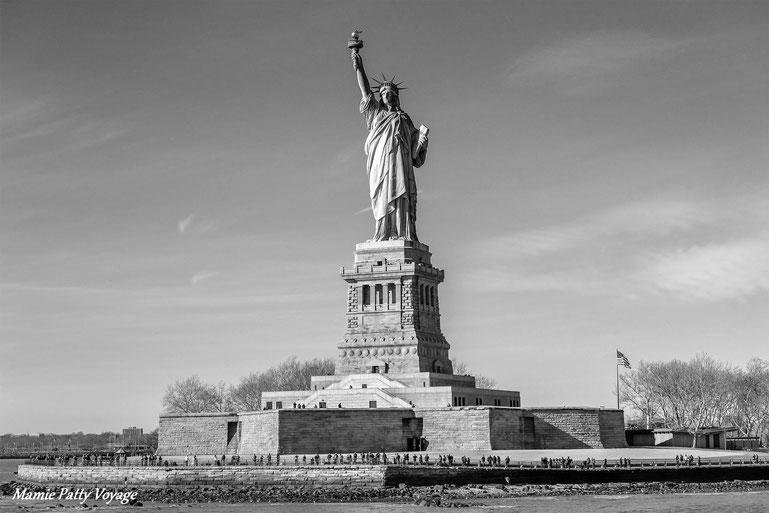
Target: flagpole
x,y
617,365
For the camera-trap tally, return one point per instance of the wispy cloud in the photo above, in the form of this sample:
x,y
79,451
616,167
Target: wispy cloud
x,y
251,302
22,112
45,288
94,135
651,217
57,128
31,118
198,277
713,272
185,223
708,272
580,280
192,224
591,63
694,251
346,160
168,297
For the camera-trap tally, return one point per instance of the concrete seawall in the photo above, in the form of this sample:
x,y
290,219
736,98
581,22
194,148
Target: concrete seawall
x,y
370,476
332,476
429,476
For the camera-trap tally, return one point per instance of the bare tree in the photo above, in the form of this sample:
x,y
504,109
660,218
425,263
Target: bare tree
x,y
247,395
295,375
750,404
190,395
220,397
701,393
637,391
290,374
481,381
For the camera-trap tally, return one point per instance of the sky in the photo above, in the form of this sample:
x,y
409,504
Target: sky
x,y
181,181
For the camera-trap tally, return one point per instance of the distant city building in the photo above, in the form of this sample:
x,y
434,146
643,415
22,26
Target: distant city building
x,y
132,433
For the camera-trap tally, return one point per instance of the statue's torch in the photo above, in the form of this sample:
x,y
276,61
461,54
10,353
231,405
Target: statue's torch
x,y
356,43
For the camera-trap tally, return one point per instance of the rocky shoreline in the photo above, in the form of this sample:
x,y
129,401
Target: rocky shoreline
x,y
436,496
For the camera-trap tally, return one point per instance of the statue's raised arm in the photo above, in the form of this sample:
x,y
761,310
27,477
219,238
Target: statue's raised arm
x,y
394,147
355,44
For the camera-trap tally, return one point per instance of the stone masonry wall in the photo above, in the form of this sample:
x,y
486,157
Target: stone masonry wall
x,y
349,430
327,476
460,429
566,429
399,352
259,432
194,433
410,301
368,476
612,424
506,429
332,429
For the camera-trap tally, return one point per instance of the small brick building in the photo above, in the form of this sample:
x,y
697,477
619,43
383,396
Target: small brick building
x,y
707,438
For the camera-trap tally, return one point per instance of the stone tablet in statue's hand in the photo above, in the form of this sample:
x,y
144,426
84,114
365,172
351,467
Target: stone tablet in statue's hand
x,y
423,131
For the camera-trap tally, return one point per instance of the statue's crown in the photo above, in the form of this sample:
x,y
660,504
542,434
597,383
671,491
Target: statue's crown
x,y
388,84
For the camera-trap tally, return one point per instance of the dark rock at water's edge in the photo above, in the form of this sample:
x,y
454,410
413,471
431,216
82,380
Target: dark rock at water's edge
x,y
8,488
436,496
468,475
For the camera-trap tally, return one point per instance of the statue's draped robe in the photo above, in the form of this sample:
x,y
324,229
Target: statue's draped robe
x,y
392,154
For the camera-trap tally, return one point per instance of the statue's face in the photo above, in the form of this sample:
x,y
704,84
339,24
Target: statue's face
x,y
389,97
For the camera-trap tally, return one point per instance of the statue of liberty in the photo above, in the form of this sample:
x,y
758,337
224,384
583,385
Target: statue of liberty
x,y
394,147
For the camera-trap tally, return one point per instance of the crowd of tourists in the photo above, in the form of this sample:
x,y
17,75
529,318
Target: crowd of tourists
x,y
587,463
87,460
363,458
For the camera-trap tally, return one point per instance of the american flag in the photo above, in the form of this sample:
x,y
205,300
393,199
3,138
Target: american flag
x,y
622,360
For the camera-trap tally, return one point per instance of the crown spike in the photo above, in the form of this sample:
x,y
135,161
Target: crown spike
x,y
387,83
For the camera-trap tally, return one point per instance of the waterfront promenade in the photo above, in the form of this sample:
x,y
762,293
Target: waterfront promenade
x,y
626,457
636,455
329,471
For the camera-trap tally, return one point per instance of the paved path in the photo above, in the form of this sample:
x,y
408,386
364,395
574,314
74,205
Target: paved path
x,y
635,454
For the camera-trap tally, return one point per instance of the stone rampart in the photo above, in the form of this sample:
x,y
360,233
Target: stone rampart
x,y
324,430
344,430
326,476
259,433
507,431
195,433
577,428
612,425
456,429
